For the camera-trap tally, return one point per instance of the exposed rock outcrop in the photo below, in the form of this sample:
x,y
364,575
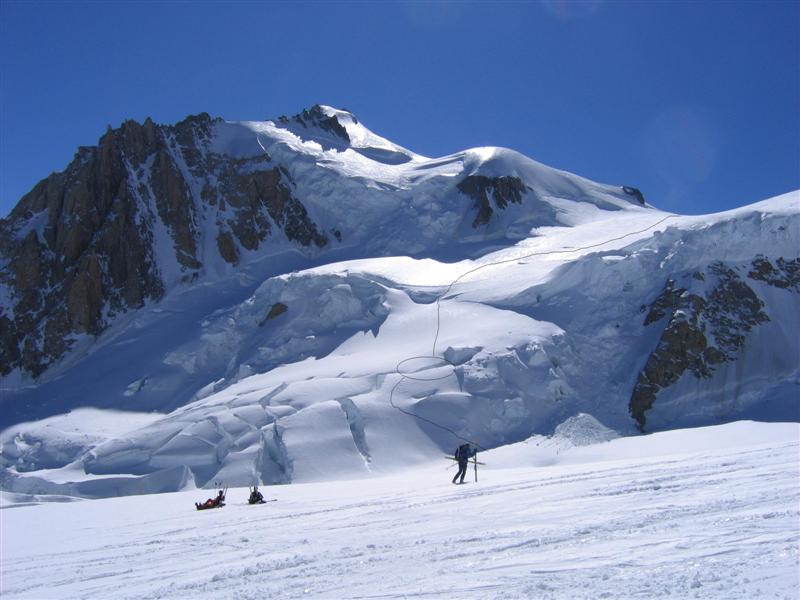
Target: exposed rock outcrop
x,y
276,310
76,247
86,244
784,274
315,117
635,192
488,191
708,323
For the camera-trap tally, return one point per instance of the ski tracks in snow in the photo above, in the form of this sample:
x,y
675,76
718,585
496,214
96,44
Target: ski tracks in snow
x,y
712,525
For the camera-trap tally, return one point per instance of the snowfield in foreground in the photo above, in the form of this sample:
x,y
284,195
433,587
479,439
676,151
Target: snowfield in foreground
x,y
698,513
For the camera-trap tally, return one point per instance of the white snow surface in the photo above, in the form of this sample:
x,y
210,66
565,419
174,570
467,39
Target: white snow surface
x,y
522,338
702,513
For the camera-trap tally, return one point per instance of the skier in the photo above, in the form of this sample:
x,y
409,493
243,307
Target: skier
x,y
255,497
212,502
463,453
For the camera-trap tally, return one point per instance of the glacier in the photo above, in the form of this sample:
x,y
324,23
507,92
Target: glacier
x,y
480,296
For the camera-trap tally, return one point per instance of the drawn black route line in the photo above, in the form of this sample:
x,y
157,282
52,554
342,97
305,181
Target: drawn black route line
x,y
442,359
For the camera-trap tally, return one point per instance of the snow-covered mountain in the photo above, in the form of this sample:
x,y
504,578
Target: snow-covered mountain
x,y
301,299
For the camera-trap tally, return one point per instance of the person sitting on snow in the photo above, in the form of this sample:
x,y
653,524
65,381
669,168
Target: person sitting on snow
x,y
255,496
211,502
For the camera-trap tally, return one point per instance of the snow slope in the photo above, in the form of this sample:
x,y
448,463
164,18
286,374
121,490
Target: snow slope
x,y
418,330
554,329
703,513
371,205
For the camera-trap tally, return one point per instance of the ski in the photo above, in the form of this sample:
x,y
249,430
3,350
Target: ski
x,y
472,462
201,507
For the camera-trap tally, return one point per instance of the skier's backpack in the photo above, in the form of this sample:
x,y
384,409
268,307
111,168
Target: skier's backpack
x,y
462,452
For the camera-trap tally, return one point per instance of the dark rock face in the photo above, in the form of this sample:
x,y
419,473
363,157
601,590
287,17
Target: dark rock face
x,y
227,248
275,311
315,117
260,196
503,190
75,248
636,193
80,248
784,274
705,328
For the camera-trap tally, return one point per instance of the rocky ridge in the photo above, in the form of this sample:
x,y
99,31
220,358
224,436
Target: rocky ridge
x,y
707,320
287,278
152,207
80,248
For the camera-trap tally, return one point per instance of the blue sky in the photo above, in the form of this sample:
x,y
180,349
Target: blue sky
x,y
696,103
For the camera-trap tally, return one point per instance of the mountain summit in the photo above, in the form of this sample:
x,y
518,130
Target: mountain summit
x,y
300,298
153,207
